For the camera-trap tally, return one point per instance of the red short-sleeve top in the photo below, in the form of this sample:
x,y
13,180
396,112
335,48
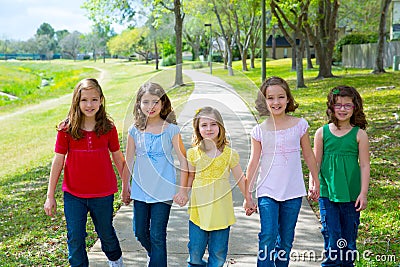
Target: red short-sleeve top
x,y
88,170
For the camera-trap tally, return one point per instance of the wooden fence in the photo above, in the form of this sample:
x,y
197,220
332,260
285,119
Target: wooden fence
x,y
364,55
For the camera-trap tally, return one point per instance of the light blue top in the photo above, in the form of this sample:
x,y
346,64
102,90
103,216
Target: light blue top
x,y
154,175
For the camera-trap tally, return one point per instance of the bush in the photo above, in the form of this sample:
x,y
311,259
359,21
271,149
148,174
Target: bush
x,y
353,38
168,61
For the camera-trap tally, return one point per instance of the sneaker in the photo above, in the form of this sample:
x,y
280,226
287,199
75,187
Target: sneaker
x,y
117,263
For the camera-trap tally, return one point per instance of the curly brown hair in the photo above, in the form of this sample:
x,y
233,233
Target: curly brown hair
x,y
72,124
358,117
167,113
261,104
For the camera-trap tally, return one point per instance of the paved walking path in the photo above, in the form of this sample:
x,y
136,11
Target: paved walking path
x,y
243,242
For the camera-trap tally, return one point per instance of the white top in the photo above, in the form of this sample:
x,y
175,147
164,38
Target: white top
x,y
280,175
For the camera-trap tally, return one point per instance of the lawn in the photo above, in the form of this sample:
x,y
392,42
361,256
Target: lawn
x,y
28,238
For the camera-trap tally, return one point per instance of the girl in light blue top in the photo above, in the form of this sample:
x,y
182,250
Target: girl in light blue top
x,y
151,140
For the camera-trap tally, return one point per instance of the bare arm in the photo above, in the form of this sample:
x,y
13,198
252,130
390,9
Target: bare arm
x,y
128,170
363,150
311,162
181,197
50,206
240,179
119,161
251,174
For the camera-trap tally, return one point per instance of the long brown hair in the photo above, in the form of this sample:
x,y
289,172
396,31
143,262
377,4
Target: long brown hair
x,y
167,113
358,117
209,112
261,104
72,124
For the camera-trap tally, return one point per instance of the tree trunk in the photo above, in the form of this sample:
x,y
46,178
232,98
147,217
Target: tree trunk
x,y
244,60
308,52
382,40
178,32
324,38
156,52
252,58
299,65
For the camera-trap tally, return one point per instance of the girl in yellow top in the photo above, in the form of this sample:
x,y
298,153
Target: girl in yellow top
x,y
211,207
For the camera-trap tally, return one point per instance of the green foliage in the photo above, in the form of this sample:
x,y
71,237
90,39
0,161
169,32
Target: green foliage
x,y
169,60
354,38
168,49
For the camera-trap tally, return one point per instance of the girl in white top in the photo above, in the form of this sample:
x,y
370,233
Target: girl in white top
x,y
275,151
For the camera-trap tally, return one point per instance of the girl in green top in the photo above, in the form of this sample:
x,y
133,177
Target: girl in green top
x,y
342,151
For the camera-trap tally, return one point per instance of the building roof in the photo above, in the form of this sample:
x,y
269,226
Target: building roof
x,y
280,41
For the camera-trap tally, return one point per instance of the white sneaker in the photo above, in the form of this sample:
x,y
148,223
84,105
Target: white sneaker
x,y
117,263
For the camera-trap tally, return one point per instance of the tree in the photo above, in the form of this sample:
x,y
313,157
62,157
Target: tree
x,y
45,29
71,44
245,24
227,32
382,38
324,35
177,9
298,10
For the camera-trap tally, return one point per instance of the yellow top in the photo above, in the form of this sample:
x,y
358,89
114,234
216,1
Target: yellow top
x,y
211,206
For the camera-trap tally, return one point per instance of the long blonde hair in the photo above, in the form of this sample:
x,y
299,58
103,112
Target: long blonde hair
x,y
198,139
167,113
72,124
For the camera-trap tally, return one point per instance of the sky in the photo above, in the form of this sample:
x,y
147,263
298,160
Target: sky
x,y
20,19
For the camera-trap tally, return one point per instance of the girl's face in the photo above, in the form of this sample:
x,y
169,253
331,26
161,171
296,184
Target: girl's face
x,y
276,99
343,108
208,127
90,102
150,105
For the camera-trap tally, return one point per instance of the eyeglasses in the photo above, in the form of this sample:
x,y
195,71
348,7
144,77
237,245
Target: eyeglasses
x,y
346,106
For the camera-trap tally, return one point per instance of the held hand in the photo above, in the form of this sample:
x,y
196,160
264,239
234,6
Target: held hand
x,y
361,202
50,207
313,190
181,199
313,194
126,196
249,206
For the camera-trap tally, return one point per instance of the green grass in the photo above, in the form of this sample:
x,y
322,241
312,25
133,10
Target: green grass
x,y
29,238
23,80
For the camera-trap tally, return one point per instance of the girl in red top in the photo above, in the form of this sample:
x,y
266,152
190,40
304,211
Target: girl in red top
x,y
84,142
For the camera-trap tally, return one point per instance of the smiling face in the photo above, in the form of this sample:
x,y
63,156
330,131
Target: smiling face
x,y
89,102
209,128
150,105
276,99
343,108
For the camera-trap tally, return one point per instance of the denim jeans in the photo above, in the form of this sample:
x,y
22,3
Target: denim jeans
x,y
339,228
101,210
217,242
150,222
278,221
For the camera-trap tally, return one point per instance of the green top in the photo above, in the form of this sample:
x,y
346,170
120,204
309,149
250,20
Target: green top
x,y
340,175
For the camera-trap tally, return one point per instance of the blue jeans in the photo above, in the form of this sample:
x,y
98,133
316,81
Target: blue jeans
x,y
150,222
101,210
278,221
339,228
217,242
